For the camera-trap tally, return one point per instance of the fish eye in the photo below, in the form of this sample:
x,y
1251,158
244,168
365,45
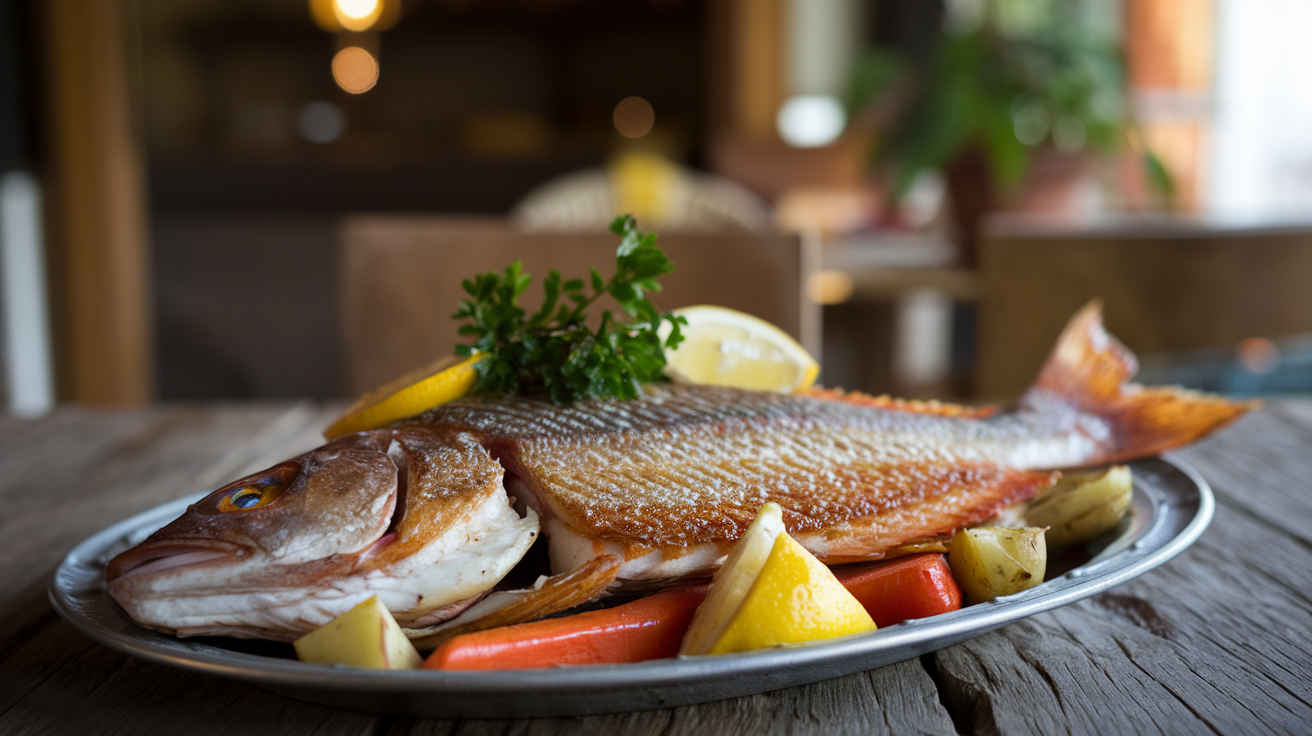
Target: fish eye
x,y
258,490
251,497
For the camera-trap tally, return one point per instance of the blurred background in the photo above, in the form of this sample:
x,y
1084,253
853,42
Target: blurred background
x,y
262,199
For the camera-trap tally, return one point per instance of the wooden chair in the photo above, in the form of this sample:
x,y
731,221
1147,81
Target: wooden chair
x,y
400,281
1164,286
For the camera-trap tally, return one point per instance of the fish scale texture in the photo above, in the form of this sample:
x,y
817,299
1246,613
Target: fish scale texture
x,y
692,464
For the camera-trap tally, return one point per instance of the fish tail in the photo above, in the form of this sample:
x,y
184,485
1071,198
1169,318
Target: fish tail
x,y
1091,370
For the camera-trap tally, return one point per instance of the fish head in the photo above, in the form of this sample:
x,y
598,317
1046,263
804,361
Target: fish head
x,y
321,510
338,499
417,516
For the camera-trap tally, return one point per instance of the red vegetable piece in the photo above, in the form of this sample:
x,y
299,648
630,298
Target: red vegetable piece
x,y
648,628
908,587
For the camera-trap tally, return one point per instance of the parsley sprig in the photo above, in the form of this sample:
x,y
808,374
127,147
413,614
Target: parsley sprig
x,y
554,347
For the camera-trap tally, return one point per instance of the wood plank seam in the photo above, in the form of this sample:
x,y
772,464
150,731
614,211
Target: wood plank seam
x,y
1129,656
960,720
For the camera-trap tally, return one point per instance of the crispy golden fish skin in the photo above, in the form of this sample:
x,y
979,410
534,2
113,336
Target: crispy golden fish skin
x,y
687,466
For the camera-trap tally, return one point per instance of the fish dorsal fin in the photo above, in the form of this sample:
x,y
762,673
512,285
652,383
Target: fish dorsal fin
x,y
1088,365
1090,370
884,401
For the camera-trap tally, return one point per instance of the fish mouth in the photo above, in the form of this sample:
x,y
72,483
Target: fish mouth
x,y
163,554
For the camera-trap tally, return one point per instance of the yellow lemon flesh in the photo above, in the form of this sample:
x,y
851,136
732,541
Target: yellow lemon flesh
x,y
733,580
795,599
415,392
724,347
792,598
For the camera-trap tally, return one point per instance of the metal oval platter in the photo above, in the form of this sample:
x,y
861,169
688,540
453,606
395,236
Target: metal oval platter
x,y
1171,507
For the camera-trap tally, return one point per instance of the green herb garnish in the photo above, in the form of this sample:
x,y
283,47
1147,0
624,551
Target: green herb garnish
x,y
554,348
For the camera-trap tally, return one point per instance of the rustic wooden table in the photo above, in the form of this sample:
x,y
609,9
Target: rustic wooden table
x,y
1217,641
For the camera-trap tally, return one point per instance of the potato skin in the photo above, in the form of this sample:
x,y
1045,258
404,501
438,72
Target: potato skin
x,y
1082,505
365,636
988,562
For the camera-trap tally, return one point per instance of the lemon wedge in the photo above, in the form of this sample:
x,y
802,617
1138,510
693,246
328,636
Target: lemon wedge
x,y
445,380
724,347
733,580
781,596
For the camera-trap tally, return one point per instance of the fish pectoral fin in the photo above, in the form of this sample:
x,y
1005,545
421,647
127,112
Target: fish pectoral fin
x,y
547,596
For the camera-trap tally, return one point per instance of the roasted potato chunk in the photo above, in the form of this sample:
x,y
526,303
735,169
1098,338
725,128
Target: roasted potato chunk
x,y
991,561
1082,505
365,636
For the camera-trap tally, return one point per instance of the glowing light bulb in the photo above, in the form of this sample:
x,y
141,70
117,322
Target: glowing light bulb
x,y
357,15
357,9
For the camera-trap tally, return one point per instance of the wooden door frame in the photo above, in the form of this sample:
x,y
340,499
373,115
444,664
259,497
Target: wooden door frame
x,y
96,207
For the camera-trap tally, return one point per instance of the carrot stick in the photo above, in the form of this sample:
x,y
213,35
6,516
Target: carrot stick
x,y
653,627
648,628
908,587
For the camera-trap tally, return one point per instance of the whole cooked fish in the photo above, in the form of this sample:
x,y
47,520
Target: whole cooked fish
x,y
642,491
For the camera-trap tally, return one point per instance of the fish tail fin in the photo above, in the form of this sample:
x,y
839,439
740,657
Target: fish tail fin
x,y
1091,370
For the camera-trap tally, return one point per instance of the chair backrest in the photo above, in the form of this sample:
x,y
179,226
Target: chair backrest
x,y
400,281
1164,287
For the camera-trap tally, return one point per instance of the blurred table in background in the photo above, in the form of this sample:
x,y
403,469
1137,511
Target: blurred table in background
x,y
1167,285
1215,641
893,317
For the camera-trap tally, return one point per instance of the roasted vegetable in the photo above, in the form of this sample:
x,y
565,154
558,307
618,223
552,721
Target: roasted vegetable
x,y
991,561
908,587
1082,505
648,628
365,636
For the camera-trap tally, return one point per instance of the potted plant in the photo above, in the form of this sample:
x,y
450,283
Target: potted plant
x,y
993,108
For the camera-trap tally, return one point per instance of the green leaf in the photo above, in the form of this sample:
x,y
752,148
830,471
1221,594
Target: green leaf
x,y
623,224
554,349
1159,179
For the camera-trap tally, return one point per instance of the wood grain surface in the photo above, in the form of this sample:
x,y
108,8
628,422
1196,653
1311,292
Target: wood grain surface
x,y
1216,641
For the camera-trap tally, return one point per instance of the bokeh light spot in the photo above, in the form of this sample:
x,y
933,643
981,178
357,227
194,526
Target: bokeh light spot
x,y
1069,133
355,70
634,117
1030,123
321,122
830,287
810,121
1258,355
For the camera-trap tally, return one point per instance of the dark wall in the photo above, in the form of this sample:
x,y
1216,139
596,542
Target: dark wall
x,y
476,104
16,144
246,306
